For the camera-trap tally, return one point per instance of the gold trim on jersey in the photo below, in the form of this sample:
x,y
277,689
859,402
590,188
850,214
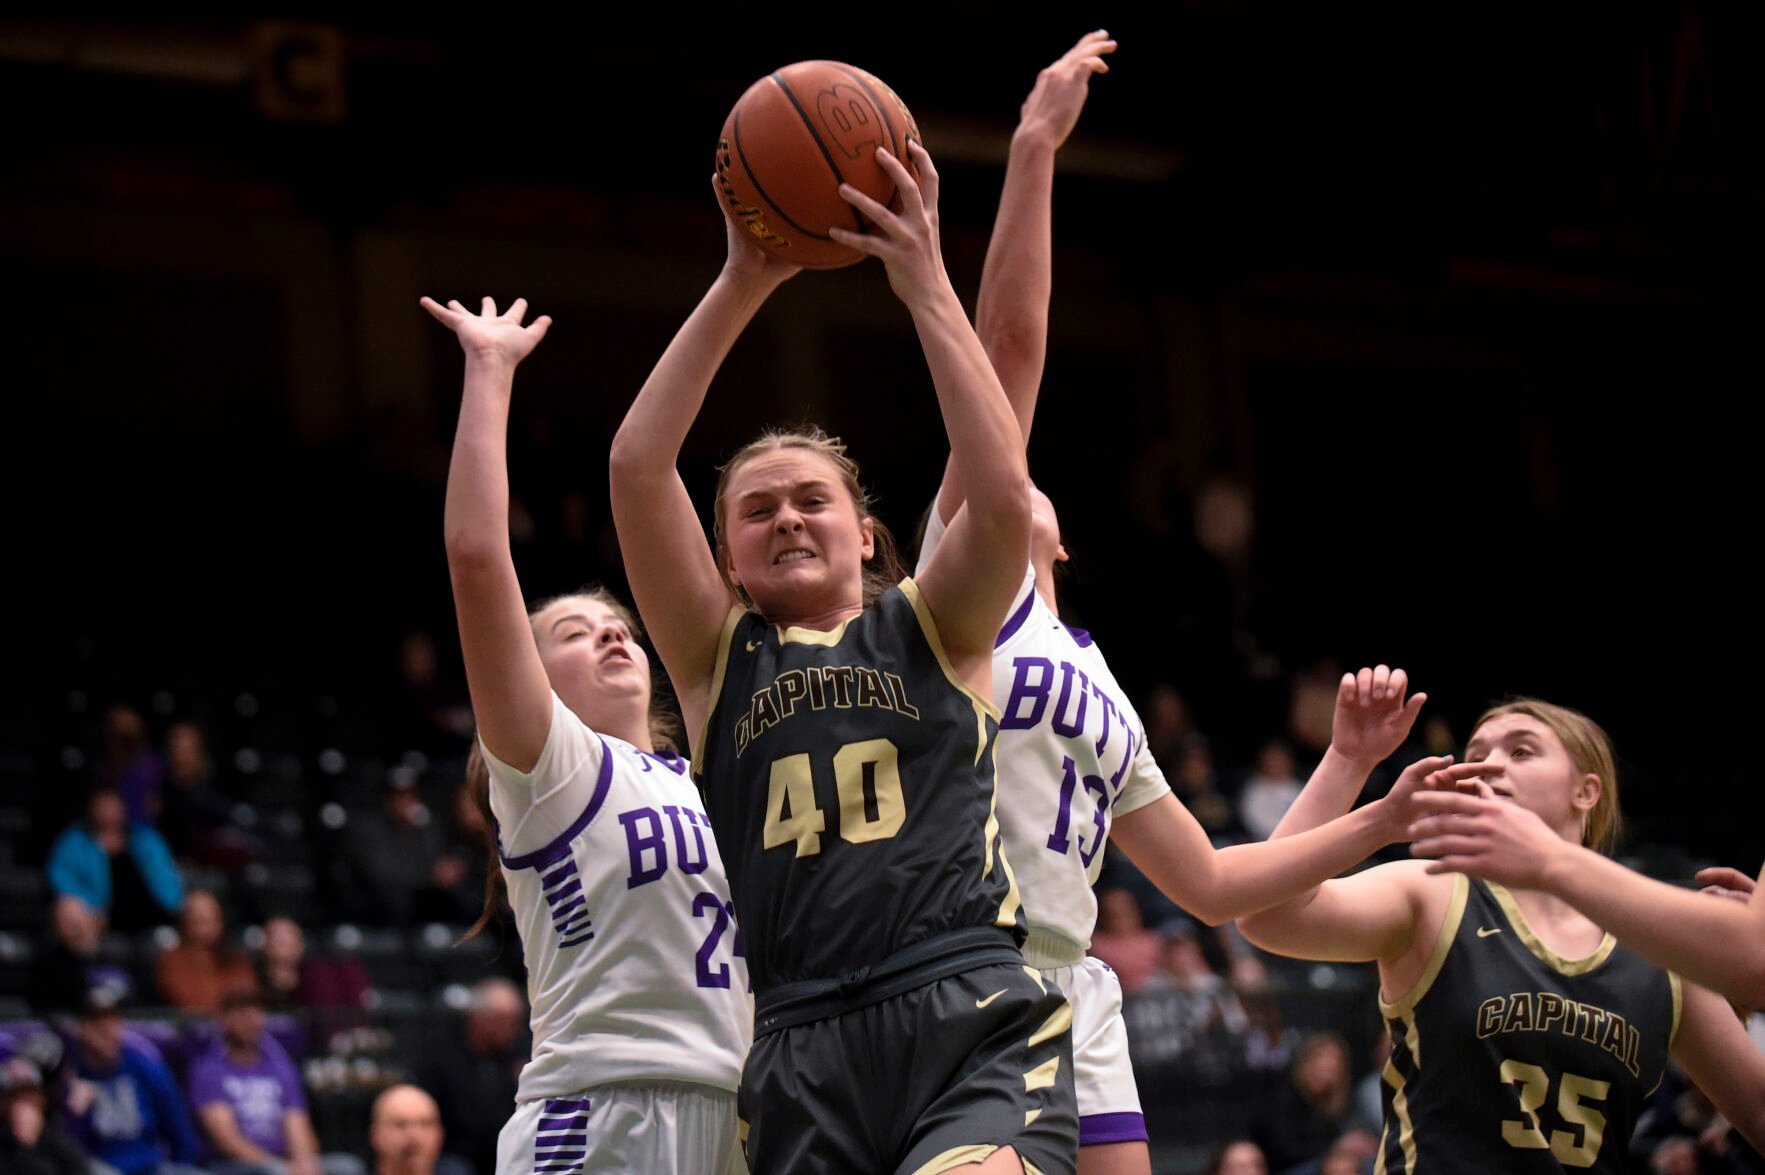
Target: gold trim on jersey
x,y
725,639
929,627
1406,1129
1449,929
814,636
1675,983
1545,955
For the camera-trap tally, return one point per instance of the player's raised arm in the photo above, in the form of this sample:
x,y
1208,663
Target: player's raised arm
x,y
674,578
511,695
1165,842
1011,312
970,584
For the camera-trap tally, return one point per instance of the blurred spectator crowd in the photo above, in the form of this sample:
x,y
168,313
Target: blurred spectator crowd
x,y
231,941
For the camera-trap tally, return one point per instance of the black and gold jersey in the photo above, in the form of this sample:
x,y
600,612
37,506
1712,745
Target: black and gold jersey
x,y
848,776
1508,1057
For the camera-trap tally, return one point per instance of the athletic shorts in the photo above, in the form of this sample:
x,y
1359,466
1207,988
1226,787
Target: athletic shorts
x,y
1109,1101
622,1127
944,1074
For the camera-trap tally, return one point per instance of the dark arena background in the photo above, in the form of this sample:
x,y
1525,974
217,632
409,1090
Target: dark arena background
x,y
1376,336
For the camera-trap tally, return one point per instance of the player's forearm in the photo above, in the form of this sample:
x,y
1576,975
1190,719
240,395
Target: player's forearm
x,y
1256,876
476,513
985,444
649,439
1716,942
1011,313
1328,794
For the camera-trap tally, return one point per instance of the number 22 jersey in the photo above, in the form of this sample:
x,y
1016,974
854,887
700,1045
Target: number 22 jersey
x,y
634,970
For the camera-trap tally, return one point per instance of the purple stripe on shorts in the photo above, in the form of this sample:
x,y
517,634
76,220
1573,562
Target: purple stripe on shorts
x,y
1100,1129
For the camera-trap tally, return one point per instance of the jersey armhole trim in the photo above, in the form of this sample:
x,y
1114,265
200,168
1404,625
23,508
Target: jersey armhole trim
x,y
1449,930
1677,985
725,639
929,627
559,847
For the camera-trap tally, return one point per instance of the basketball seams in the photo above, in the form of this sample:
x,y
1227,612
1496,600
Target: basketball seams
x,y
839,176
735,139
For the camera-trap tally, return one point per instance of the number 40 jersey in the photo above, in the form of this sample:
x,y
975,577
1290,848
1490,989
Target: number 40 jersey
x,y
849,778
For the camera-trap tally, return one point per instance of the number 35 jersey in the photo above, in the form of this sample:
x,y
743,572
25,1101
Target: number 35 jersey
x,y
849,777
634,970
1507,1057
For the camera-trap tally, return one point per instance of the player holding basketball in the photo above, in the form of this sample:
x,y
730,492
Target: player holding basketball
x,y
1073,762
640,1012
1524,1038
843,733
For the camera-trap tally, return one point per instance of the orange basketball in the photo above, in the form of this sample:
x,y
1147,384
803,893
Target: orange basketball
x,y
788,144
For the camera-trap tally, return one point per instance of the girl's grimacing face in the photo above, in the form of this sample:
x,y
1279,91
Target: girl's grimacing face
x,y
793,535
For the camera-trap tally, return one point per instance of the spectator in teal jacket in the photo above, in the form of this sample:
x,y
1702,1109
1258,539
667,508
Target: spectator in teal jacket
x,y
120,869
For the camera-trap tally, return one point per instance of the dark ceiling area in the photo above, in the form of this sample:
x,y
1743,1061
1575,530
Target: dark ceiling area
x,y
1463,304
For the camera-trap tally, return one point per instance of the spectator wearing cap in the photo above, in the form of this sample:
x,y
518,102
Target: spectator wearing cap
x,y
71,965
203,967
121,869
32,1141
122,1101
391,854
249,1100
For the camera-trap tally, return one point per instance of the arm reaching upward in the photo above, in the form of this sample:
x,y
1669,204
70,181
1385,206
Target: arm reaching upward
x,y
674,578
970,582
1011,313
511,697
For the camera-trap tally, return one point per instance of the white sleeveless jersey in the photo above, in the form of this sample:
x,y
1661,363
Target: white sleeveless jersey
x,y
1071,756
634,963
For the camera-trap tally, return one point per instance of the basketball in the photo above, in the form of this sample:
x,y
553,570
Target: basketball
x,y
788,144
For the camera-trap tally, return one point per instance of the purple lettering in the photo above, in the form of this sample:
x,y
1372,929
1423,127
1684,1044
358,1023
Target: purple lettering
x,y
1076,726
1024,689
641,846
685,861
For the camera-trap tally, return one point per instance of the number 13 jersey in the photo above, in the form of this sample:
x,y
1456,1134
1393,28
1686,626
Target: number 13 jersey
x,y
1507,1057
848,776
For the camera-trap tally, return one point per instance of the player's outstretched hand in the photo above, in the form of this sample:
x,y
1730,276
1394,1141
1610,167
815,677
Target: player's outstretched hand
x,y
488,335
1484,834
1052,109
1372,715
1403,806
748,262
906,242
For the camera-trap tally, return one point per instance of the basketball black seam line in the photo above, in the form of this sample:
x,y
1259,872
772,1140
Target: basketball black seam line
x,y
881,109
736,135
840,176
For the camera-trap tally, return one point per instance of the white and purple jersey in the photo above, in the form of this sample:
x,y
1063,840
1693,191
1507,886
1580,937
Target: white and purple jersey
x,y
634,965
1071,757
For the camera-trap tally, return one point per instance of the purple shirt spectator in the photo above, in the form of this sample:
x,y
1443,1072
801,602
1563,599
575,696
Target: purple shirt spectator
x,y
259,1092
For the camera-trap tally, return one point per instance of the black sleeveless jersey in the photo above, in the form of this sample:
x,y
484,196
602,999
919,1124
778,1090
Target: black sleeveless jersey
x,y
848,776
1507,1057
